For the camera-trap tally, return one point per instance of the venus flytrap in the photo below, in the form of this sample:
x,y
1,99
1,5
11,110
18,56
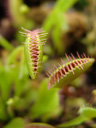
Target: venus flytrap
x,y
34,50
47,100
66,73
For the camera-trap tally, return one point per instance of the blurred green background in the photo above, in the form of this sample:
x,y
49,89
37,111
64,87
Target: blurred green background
x,y
71,27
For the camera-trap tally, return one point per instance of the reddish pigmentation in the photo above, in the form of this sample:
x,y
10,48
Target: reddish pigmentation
x,y
67,72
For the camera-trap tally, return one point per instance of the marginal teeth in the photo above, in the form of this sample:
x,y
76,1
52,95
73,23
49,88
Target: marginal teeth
x,y
71,66
84,55
78,55
47,74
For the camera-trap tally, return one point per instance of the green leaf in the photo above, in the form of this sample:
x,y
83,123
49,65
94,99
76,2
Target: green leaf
x,y
57,20
15,56
47,102
5,83
3,114
5,43
86,113
13,73
63,5
49,22
57,31
76,121
15,123
60,7
19,18
38,125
